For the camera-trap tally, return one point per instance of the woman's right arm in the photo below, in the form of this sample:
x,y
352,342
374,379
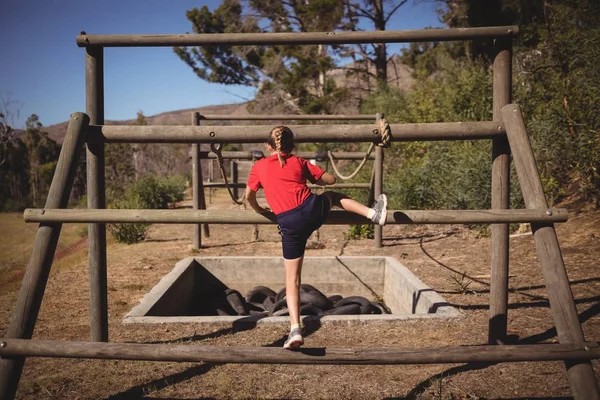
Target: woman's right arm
x,y
326,179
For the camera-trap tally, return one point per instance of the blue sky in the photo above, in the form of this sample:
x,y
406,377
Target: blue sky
x,y
43,69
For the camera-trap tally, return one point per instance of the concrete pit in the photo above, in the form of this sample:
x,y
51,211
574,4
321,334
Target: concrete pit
x,y
188,292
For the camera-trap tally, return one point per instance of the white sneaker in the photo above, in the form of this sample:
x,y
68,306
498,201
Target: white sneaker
x,y
380,207
294,340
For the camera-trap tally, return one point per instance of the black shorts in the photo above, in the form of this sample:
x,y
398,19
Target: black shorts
x,y
296,225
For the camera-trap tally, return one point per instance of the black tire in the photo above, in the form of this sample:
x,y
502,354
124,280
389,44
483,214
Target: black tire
x,y
254,306
222,313
335,298
278,306
382,309
235,299
280,295
361,301
268,303
280,313
308,288
307,309
316,299
347,309
258,294
258,313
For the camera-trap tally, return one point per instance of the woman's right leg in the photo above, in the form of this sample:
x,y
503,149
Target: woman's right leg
x,y
377,214
348,204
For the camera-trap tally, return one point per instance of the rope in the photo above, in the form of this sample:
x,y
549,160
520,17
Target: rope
x,y
217,150
352,175
383,130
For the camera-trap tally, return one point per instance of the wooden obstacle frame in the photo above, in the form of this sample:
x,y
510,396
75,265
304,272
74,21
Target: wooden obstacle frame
x,y
506,130
198,184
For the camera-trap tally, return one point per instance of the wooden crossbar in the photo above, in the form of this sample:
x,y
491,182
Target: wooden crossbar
x,y
302,133
298,38
277,355
286,117
247,155
250,217
329,187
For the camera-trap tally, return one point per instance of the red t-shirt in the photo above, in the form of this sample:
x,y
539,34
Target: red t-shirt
x,y
285,187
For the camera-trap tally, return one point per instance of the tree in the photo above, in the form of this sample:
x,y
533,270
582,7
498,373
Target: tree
x,y
298,71
7,132
42,154
373,11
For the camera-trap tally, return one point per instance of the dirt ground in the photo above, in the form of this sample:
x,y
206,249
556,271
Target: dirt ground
x,y
451,259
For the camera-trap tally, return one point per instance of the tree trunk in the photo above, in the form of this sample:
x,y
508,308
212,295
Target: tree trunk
x,y
380,48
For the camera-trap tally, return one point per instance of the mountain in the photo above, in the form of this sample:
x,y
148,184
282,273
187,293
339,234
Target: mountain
x,y
179,117
399,75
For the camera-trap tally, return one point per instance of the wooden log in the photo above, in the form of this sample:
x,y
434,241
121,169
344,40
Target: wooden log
x,y
581,374
96,197
216,185
235,179
198,199
250,217
29,299
297,38
502,88
302,133
286,117
378,186
305,355
247,155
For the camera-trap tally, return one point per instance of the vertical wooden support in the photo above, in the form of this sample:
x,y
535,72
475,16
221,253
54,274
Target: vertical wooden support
x,y
235,179
378,184
29,299
199,201
500,196
581,374
371,195
94,98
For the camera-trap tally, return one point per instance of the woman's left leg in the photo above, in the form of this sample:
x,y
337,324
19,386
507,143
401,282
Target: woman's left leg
x,y
293,272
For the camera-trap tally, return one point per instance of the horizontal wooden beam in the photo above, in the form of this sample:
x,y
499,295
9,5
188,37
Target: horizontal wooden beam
x,y
286,117
302,133
219,185
297,38
250,217
276,355
247,155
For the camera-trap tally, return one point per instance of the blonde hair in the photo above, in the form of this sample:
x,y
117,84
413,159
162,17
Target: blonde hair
x,y
281,139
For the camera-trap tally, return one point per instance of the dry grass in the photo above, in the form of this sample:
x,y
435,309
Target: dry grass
x,y
434,253
16,242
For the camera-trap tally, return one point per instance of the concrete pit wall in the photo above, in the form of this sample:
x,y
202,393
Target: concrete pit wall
x,y
184,295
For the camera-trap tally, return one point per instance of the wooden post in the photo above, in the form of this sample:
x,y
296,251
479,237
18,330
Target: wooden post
x,y
371,195
235,179
24,317
500,196
581,374
199,201
378,185
94,97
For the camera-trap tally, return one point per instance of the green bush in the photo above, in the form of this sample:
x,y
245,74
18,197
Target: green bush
x,y
360,232
157,193
128,233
